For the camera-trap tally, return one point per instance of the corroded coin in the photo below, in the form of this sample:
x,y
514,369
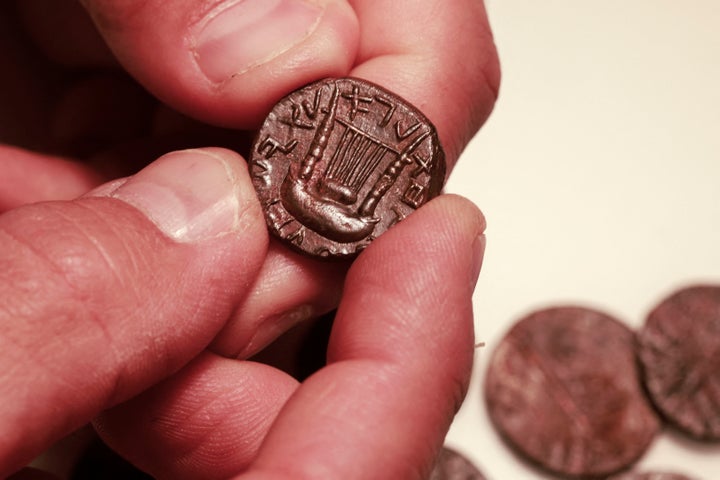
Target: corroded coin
x,y
340,161
563,390
679,349
649,476
451,465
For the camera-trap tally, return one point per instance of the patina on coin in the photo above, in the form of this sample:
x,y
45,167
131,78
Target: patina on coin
x,y
649,476
340,161
679,350
562,388
451,465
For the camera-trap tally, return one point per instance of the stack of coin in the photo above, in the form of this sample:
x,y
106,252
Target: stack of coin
x,y
565,390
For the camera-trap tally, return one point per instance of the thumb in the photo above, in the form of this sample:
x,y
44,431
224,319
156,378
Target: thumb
x,y
103,296
227,62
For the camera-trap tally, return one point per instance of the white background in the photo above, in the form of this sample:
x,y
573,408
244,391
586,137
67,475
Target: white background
x,y
599,175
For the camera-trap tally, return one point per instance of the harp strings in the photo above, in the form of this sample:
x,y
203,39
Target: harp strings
x,y
355,158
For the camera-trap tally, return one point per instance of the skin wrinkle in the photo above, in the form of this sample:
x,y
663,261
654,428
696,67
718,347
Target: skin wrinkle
x,y
125,284
207,302
47,364
380,294
187,450
397,327
53,370
85,318
30,249
200,309
111,266
12,279
205,276
210,429
77,305
159,346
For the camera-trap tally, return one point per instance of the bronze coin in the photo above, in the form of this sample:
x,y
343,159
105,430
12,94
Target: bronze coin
x,y
340,161
451,465
679,350
649,476
562,389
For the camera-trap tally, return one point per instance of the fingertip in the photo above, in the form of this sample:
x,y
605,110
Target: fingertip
x,y
254,84
448,231
467,222
228,63
461,210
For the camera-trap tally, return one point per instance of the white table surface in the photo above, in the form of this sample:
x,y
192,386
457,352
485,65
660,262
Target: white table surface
x,y
599,175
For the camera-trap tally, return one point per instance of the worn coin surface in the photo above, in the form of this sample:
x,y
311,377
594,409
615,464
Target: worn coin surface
x,y
649,476
340,161
451,465
563,389
679,349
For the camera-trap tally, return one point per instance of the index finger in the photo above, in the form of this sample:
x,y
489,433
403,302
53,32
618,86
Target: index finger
x,y
399,357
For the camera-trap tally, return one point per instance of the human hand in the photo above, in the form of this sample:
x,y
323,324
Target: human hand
x,y
125,286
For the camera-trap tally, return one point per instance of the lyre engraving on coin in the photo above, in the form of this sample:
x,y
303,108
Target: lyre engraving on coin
x,y
340,161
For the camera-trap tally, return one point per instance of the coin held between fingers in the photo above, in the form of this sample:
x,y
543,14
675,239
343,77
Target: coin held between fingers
x,y
340,161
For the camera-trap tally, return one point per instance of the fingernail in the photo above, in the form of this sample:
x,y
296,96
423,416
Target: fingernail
x,y
190,195
244,33
478,253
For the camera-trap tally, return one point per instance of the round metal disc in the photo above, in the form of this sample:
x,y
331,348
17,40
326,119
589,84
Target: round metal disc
x,y
563,389
340,161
